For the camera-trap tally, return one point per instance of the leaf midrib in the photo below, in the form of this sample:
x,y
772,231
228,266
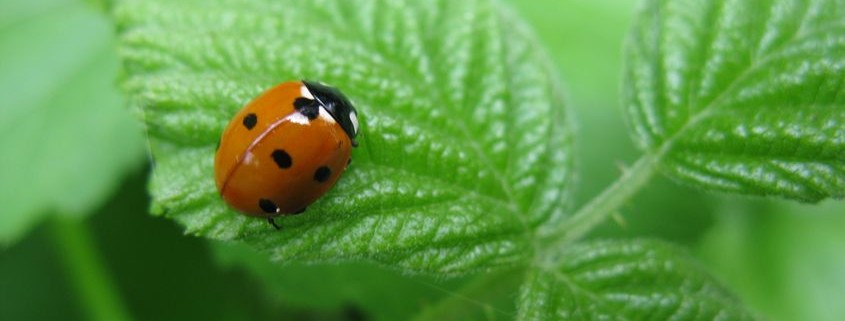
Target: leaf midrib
x,y
595,296
712,107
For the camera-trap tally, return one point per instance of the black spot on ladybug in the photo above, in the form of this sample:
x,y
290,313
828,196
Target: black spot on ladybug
x,y
307,107
322,174
250,120
282,158
267,206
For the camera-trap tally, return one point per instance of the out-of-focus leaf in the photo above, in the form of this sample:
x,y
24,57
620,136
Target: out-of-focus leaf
x,y
784,259
485,297
626,280
742,96
374,292
66,136
464,149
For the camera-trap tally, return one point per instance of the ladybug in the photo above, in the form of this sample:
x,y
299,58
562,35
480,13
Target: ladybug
x,y
285,149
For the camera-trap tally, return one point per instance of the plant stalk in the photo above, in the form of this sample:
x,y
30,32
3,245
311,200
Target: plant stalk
x,y
601,207
86,271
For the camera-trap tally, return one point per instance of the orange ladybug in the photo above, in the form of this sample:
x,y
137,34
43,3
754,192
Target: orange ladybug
x,y
285,149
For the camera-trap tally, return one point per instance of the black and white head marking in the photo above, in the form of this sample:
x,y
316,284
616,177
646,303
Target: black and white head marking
x,y
353,117
335,104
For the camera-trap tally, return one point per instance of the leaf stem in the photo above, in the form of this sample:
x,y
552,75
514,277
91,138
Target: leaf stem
x,y
87,272
601,207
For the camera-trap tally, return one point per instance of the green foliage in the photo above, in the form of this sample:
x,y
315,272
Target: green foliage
x,y
372,289
464,148
742,96
488,296
66,137
625,280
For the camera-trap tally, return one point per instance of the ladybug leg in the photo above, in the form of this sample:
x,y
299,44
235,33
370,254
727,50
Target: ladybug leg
x,y
300,211
273,222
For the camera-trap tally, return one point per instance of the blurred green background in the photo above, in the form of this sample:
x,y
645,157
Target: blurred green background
x,y
57,70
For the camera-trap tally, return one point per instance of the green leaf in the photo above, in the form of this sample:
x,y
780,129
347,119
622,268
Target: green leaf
x,y
464,149
66,135
742,96
625,280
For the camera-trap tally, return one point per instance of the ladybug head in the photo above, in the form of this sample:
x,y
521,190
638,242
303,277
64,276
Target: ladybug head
x,y
337,105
